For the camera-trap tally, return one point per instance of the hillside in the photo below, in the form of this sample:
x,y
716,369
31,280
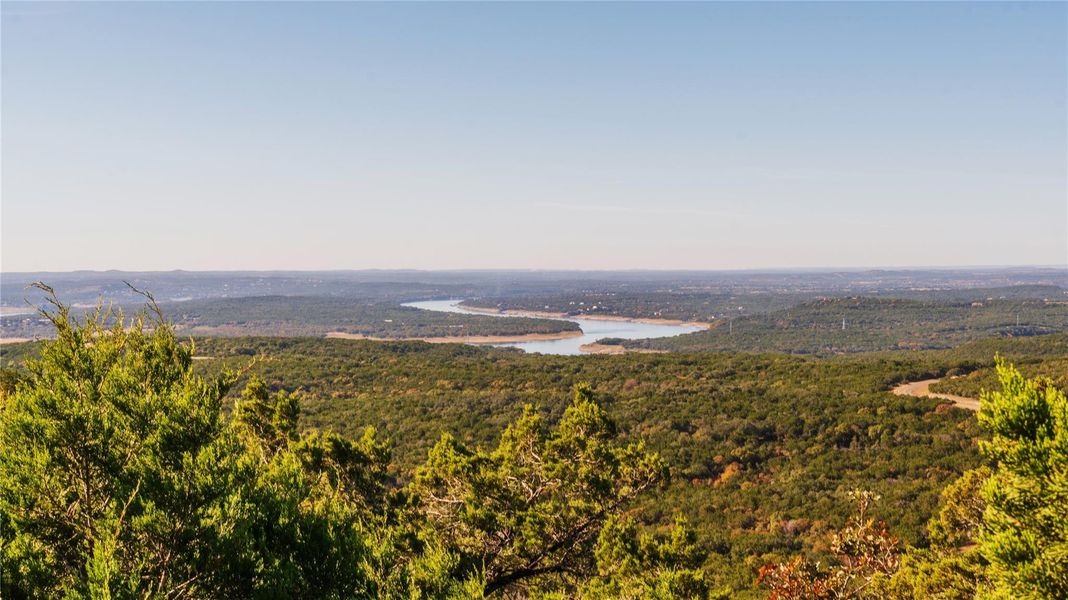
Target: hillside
x,y
691,302
846,325
762,447
314,316
755,441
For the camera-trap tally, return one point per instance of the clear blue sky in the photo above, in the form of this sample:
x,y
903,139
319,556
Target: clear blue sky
x,y
720,135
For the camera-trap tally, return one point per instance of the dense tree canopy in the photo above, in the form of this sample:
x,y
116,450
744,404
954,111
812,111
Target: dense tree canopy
x,y
121,476
536,505
124,474
130,469
1001,533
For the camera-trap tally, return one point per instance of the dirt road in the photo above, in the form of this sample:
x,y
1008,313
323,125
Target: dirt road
x,y
922,389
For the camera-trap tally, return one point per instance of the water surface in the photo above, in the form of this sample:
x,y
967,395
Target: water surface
x,y
592,329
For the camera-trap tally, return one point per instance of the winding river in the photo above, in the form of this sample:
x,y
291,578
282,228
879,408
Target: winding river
x,y
592,329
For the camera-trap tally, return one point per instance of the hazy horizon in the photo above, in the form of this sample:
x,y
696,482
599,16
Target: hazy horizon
x,y
772,270
692,137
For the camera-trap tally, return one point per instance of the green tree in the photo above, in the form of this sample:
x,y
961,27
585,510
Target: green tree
x,y
1025,524
120,477
953,567
529,514
114,464
1002,531
632,564
304,508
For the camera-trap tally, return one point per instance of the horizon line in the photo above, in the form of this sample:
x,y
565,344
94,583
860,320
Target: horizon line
x,y
827,269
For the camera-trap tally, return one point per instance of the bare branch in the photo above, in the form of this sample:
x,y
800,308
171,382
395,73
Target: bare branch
x,y
151,300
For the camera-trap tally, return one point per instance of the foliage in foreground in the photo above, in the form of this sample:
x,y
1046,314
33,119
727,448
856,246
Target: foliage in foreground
x,y
1025,525
762,447
1002,532
122,476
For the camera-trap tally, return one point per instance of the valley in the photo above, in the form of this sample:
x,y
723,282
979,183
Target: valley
x,y
766,419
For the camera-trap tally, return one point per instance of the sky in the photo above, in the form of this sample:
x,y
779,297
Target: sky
x,y
158,136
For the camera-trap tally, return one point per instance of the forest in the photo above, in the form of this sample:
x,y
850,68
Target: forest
x,y
846,325
316,316
312,316
699,303
804,313
745,463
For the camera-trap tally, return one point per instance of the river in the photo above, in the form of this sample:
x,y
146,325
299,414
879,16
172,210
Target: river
x,y
592,329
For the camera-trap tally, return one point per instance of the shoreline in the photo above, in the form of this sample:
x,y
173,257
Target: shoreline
x,y
516,312
463,339
598,348
14,340
10,311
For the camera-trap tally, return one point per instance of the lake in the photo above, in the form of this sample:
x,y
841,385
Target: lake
x,y
592,329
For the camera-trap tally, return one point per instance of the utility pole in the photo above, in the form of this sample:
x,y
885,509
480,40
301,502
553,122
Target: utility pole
x,y
843,324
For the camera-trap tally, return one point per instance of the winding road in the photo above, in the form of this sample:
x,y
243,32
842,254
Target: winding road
x,y
922,389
